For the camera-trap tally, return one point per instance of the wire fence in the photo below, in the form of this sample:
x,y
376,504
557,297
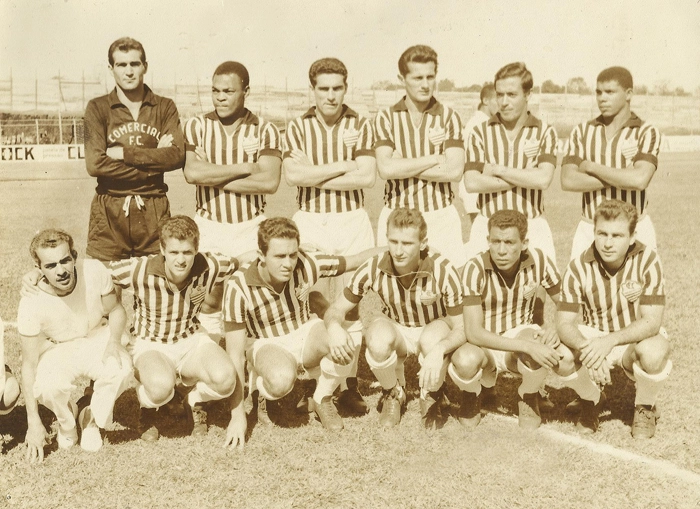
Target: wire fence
x,y
50,111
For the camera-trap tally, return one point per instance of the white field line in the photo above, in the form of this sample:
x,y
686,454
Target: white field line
x,y
658,465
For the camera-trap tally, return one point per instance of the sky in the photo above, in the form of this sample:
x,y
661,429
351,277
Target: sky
x,y
659,41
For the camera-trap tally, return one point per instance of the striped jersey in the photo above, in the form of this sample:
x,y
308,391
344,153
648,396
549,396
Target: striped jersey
x,y
249,300
610,302
440,129
254,137
162,313
536,143
433,293
508,304
351,136
635,141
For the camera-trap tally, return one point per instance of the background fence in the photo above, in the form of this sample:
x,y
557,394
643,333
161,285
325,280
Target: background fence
x,y
50,111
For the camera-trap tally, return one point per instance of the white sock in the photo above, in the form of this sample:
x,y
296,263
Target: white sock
x,y
581,382
355,331
473,385
400,372
384,371
532,379
649,386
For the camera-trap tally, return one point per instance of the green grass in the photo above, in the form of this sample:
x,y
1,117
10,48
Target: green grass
x,y
298,464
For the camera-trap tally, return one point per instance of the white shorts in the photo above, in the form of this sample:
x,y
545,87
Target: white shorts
x,y
230,239
584,236
177,353
336,233
539,236
498,357
411,337
444,233
616,354
293,342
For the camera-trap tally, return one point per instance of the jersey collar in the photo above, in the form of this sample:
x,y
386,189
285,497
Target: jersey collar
x,y
435,107
253,277
249,118
633,121
155,265
426,267
148,98
530,121
347,111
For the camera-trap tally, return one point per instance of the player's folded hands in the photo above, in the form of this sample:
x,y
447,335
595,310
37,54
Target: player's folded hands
x,y
165,141
548,337
544,355
595,350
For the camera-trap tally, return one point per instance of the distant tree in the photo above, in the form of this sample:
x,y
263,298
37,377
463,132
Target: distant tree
x,y
549,87
446,85
680,92
385,85
662,87
578,85
641,90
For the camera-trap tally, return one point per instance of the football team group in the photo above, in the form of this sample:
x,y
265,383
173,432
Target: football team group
x,y
230,298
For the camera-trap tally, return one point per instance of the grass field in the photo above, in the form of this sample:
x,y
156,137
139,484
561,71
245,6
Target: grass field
x,y
299,464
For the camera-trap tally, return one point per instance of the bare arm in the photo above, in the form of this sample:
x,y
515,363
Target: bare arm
x,y
32,347
264,180
200,171
390,167
477,182
117,324
300,171
451,170
635,177
531,177
363,177
354,261
235,346
574,180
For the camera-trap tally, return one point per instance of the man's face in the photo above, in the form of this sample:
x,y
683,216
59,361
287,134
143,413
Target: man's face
x,y
505,247
228,95
281,258
420,81
329,93
58,267
405,247
611,97
128,69
512,100
612,240
179,257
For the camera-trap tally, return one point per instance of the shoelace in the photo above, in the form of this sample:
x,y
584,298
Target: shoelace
x,y
127,202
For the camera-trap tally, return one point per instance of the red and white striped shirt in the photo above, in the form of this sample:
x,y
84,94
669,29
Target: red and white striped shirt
x,y
635,141
440,129
536,143
162,313
434,292
351,136
610,302
249,300
253,138
508,306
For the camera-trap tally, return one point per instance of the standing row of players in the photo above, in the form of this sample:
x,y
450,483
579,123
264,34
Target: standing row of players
x,y
234,158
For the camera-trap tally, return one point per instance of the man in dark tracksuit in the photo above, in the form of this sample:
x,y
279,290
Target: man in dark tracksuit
x,y
132,137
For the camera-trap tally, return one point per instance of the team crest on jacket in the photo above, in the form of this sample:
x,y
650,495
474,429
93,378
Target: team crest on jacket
x,y
251,144
629,149
350,137
631,290
531,148
529,290
436,135
197,295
